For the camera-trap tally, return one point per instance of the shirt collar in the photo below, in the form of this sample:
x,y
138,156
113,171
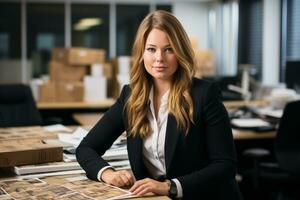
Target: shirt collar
x,y
164,98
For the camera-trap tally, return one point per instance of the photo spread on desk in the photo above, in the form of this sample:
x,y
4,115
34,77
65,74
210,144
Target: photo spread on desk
x,y
64,187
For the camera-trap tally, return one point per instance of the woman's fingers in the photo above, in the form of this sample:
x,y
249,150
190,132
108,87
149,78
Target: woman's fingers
x,y
117,178
122,178
147,185
126,178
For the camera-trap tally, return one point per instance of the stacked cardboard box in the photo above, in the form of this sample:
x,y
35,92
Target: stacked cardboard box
x,y
23,145
121,67
204,60
67,69
205,64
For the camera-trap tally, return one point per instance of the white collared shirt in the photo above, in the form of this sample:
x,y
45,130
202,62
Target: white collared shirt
x,y
154,145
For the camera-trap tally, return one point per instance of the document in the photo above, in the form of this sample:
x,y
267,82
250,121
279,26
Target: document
x,y
61,187
249,123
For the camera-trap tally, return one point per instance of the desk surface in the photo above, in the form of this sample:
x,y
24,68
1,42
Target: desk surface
x,y
236,104
63,186
87,119
109,102
90,119
252,135
106,103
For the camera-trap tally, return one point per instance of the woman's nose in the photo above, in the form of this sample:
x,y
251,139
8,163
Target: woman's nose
x,y
159,55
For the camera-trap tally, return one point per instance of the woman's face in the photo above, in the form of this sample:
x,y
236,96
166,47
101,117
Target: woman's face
x,y
159,58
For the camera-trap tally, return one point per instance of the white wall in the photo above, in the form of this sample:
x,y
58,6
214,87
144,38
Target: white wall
x,y
194,18
271,42
11,72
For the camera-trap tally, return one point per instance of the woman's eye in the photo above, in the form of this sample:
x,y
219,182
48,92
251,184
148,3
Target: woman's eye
x,y
151,50
169,50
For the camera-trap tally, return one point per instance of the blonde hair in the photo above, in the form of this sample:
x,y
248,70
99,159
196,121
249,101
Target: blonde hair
x,y
180,102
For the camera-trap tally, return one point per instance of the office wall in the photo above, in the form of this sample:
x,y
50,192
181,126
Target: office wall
x,y
271,42
194,18
11,71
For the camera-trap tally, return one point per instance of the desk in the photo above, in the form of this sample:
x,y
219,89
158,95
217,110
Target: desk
x,y
52,185
90,119
252,135
254,103
64,111
62,187
87,119
103,104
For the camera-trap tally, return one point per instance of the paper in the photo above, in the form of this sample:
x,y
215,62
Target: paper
x,y
68,138
57,128
249,123
269,111
46,167
73,186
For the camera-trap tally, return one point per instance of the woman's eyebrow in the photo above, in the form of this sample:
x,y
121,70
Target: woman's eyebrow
x,y
153,45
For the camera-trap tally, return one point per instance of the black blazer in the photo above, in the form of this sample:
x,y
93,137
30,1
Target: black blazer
x,y
203,161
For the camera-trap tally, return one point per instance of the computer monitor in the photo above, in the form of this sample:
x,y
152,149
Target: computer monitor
x,y
292,75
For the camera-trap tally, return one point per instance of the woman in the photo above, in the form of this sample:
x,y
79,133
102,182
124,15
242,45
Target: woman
x,y
179,139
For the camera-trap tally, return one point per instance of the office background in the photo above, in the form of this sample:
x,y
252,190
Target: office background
x,y
263,33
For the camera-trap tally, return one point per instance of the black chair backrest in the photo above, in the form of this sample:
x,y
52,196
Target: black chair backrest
x,y
287,143
17,106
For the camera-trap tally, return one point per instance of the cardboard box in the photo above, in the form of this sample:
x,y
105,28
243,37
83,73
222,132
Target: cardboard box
x,y
47,92
66,73
101,70
205,63
194,42
69,91
95,88
113,87
25,132
28,151
78,56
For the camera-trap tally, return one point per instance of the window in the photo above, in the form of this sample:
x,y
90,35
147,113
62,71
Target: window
x,y
164,7
128,19
10,31
250,35
90,26
290,35
43,34
10,43
293,30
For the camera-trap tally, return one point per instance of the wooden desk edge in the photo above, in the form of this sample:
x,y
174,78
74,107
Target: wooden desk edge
x,y
248,135
70,105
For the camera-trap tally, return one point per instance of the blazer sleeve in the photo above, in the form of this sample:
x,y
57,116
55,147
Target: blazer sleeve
x,y
221,167
101,137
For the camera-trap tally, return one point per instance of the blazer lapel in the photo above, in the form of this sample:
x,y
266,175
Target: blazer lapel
x,y
171,140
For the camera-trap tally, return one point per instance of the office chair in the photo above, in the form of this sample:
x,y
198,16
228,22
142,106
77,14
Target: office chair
x,y
283,175
223,82
17,106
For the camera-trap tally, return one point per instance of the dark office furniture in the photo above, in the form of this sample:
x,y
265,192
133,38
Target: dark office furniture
x,y
281,177
17,106
224,82
292,77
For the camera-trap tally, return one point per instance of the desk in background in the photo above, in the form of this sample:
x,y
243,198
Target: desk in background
x,y
64,111
87,119
103,104
90,119
236,104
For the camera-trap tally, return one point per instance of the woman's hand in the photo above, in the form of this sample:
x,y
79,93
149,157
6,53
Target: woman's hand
x,y
146,185
120,178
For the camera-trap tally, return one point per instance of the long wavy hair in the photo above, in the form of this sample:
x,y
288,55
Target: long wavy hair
x,y
180,103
